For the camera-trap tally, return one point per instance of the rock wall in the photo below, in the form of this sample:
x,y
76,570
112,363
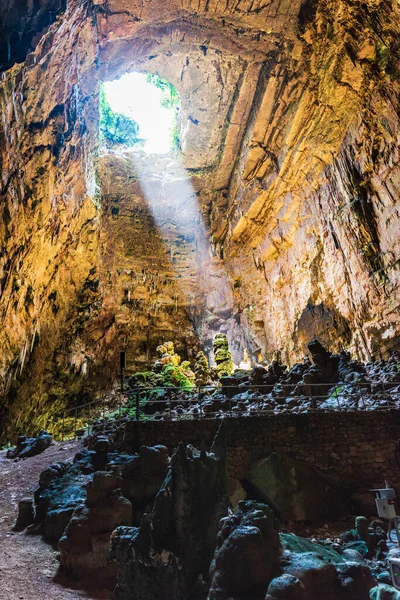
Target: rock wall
x,y
289,140
48,223
358,449
149,267
21,26
314,201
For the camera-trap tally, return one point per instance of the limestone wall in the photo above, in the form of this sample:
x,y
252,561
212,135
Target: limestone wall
x,y
360,448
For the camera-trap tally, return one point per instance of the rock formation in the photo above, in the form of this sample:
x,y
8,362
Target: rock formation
x,y
169,555
222,355
26,514
327,382
30,446
141,478
247,553
366,539
84,544
189,545
79,505
249,563
167,371
201,369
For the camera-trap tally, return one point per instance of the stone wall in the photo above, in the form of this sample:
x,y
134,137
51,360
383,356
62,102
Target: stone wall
x,y
359,448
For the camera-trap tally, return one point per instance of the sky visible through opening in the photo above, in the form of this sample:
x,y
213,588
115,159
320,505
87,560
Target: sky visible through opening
x,y
134,97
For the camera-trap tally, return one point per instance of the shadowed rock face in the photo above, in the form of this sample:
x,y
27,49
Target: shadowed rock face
x,y
169,555
84,545
247,553
78,505
289,140
296,490
249,562
21,26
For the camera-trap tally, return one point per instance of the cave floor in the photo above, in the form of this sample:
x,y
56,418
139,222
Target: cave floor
x,y
29,566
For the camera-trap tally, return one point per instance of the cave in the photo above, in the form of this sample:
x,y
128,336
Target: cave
x,y
199,224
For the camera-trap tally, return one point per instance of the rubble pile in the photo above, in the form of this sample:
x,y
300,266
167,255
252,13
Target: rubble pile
x,y
325,382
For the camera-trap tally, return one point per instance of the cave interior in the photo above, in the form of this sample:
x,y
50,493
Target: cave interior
x,y
263,233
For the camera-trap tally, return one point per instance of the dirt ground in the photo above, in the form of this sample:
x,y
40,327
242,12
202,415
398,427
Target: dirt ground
x,y
29,566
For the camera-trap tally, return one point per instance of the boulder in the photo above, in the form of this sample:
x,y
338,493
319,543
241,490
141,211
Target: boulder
x,y
344,581
27,447
384,592
286,587
257,374
309,567
247,553
298,491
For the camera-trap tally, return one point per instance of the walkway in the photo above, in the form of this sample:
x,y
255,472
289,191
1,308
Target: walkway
x,y
28,566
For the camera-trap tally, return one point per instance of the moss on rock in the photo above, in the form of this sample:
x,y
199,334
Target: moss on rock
x,y
222,355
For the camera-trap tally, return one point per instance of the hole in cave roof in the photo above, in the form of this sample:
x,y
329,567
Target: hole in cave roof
x,y
139,110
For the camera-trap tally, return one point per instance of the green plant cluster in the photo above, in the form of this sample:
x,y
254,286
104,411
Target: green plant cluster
x,y
116,129
169,95
222,355
171,376
170,100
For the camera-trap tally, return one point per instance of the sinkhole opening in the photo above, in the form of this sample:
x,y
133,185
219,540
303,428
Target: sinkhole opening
x,y
140,110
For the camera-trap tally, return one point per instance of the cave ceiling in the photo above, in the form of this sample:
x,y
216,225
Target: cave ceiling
x,y
214,66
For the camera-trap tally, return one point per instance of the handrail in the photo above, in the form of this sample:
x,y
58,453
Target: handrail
x,y
96,409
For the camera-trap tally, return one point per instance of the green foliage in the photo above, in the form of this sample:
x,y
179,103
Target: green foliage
x,y
169,95
116,129
174,137
173,376
170,100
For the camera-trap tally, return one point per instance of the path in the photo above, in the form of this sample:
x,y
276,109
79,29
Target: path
x,y
28,566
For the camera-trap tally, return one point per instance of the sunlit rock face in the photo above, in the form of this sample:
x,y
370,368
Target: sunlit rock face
x,y
49,223
159,274
148,264
289,130
315,202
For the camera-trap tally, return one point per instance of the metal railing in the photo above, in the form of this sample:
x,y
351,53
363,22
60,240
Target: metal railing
x,y
216,401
